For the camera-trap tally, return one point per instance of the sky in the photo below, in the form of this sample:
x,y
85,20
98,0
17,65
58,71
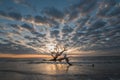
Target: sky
x,y
27,26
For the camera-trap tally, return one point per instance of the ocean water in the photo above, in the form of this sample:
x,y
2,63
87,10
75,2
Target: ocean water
x,y
95,59
83,68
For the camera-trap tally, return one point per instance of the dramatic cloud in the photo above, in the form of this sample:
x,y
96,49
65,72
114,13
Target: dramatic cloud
x,y
40,19
28,27
15,16
82,25
13,48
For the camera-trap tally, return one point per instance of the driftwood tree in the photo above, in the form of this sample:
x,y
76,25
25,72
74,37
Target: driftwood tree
x,y
57,55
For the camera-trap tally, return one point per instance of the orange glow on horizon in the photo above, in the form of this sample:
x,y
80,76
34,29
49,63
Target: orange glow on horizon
x,y
24,56
30,55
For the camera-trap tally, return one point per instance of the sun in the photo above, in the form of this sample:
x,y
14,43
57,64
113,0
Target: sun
x,y
51,47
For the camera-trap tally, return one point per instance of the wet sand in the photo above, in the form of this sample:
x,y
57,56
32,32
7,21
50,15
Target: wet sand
x,y
37,69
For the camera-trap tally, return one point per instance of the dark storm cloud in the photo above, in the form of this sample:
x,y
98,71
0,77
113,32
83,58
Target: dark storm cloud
x,y
53,13
11,15
15,26
40,19
14,15
28,17
28,27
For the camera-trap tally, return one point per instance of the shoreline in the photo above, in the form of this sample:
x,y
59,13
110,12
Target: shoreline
x,y
32,55
24,56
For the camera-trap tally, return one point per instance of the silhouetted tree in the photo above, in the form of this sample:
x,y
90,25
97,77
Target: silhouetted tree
x,y
56,53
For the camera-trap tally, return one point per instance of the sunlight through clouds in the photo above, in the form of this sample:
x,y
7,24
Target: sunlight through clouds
x,y
82,25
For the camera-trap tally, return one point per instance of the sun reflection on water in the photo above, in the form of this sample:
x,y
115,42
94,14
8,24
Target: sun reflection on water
x,y
55,68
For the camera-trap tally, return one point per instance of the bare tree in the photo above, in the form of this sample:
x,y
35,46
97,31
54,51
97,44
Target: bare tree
x,y
56,53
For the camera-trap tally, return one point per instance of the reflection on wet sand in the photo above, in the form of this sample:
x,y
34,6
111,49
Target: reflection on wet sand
x,y
42,71
37,69
55,68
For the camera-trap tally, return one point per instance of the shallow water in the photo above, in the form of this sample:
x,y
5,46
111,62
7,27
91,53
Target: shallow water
x,y
105,68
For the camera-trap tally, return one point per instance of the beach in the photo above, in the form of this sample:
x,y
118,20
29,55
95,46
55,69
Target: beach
x,y
83,68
